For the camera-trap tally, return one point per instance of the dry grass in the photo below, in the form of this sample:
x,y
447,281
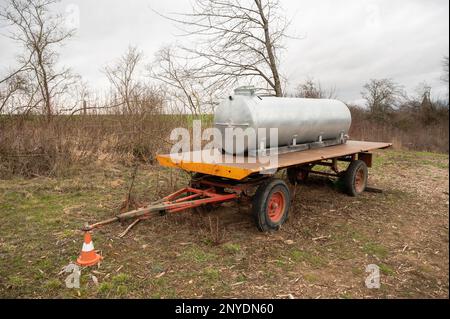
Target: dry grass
x,y
55,177
30,146
322,251
405,129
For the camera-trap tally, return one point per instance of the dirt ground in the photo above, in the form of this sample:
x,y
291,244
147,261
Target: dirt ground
x,y
321,252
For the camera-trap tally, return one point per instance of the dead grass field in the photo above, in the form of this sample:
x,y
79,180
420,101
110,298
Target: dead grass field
x,y
321,252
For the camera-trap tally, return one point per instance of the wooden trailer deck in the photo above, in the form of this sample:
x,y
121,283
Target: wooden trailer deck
x,y
241,166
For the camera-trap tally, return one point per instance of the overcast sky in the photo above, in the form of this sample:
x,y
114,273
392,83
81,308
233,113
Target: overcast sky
x,y
344,43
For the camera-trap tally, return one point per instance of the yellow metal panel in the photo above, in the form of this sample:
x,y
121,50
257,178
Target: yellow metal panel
x,y
221,170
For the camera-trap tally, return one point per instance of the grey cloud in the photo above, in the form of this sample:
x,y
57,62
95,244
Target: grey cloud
x,y
344,43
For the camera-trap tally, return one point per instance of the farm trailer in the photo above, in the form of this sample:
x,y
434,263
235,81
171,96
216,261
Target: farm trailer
x,y
214,183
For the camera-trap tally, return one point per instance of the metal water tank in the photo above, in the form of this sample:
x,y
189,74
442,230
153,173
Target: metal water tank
x,y
298,120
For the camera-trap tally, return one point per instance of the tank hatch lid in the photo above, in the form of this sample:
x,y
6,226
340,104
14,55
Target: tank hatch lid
x,y
245,90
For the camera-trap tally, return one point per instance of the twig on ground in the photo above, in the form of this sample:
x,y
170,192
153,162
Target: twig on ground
x,y
122,234
321,237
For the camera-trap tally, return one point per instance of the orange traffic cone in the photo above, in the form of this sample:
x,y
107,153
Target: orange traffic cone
x,y
88,256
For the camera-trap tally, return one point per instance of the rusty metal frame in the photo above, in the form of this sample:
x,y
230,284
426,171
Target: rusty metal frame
x,y
185,198
230,186
333,165
366,158
176,202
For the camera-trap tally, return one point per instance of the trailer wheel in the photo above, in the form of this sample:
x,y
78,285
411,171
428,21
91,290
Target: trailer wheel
x,y
355,178
271,204
298,174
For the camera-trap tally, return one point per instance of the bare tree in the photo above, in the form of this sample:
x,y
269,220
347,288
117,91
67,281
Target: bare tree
x,y
426,106
240,39
186,91
445,75
25,67
123,77
423,96
313,90
40,32
382,96
12,84
20,95
445,66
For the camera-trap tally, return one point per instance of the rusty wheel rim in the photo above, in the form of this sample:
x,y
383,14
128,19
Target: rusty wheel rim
x,y
359,181
275,207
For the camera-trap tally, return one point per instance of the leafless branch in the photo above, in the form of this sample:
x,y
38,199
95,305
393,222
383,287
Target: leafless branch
x,y
238,40
313,90
382,96
39,31
122,76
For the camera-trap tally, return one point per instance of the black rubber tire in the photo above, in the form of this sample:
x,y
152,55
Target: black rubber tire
x,y
350,176
293,174
261,201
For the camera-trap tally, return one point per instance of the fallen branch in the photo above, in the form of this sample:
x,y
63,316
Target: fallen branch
x,y
122,234
321,237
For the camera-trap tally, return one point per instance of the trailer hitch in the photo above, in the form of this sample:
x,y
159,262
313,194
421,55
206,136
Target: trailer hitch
x,y
180,200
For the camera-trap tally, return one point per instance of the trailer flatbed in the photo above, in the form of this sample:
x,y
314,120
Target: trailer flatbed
x,y
217,182
242,167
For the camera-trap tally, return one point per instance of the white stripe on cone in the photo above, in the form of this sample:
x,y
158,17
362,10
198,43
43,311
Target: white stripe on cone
x,y
88,247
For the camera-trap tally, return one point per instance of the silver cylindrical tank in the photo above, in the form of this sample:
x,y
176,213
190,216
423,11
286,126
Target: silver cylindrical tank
x,y
298,120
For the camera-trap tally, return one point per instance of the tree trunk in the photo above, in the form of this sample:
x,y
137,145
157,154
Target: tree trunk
x,y
43,79
269,48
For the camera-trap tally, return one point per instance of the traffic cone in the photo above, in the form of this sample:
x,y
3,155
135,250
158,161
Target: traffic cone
x,y
88,256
